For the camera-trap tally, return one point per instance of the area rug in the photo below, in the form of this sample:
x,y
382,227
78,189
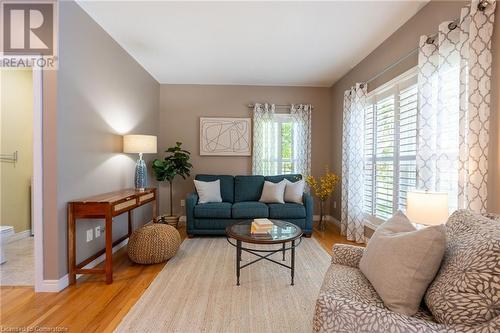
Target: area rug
x,y
196,291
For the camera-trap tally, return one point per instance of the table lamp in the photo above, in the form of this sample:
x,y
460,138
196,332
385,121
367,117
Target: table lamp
x,y
140,144
428,208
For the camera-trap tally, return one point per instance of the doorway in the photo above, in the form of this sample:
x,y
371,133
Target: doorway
x,y
21,177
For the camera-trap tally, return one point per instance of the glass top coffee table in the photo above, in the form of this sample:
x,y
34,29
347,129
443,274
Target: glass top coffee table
x,y
282,232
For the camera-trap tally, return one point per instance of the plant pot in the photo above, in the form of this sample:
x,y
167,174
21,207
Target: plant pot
x,y
172,220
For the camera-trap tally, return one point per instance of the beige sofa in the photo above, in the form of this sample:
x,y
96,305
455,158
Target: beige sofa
x,y
464,296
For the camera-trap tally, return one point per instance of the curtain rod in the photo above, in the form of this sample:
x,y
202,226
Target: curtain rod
x,y
481,6
251,106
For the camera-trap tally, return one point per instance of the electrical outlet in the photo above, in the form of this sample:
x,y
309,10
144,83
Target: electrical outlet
x,y
183,203
97,231
90,234
335,205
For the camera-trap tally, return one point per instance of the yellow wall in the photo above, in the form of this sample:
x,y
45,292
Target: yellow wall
x,y
16,133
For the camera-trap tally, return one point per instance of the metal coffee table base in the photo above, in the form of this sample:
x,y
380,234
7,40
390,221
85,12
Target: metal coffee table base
x,y
267,254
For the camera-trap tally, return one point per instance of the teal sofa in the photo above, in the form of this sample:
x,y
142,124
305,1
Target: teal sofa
x,y
240,202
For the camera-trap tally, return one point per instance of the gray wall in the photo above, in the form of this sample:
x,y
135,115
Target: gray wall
x,y
181,107
399,44
102,94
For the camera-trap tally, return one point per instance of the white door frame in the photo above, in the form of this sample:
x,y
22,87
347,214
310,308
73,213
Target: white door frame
x,y
38,176
37,183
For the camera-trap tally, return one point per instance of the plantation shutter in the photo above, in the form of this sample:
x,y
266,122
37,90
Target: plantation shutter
x,y
390,147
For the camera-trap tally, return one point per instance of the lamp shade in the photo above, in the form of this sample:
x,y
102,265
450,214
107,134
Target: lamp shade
x,y
429,208
139,144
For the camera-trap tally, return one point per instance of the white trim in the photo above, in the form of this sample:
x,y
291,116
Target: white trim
x,y
37,180
20,235
54,286
328,218
409,74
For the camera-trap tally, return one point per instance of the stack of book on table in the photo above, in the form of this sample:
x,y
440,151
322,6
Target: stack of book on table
x,y
261,226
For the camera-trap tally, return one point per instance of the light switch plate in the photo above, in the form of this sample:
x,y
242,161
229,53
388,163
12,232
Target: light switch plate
x,y
183,203
90,235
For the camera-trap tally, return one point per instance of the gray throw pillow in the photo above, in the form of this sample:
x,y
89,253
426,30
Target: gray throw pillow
x,y
273,192
208,191
401,261
294,191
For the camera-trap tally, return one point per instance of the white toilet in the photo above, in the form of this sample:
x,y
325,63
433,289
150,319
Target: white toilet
x,y
6,231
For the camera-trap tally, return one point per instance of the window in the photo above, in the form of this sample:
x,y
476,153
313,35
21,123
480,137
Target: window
x,y
390,146
281,141
283,161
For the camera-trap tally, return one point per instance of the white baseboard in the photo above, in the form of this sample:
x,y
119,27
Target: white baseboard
x,y
20,235
54,286
328,218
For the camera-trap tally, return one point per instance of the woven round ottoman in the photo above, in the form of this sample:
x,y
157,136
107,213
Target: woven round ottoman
x,y
153,243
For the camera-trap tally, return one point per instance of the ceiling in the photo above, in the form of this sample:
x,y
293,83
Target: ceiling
x,y
250,43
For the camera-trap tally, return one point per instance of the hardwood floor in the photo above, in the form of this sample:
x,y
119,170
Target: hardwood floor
x,y
91,305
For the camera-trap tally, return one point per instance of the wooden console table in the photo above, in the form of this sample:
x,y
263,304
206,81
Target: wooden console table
x,y
104,206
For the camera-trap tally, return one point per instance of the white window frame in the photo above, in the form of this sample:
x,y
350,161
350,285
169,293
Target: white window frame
x,y
278,120
392,87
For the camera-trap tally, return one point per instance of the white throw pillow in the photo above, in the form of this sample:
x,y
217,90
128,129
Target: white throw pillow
x,y
208,191
294,191
273,192
400,261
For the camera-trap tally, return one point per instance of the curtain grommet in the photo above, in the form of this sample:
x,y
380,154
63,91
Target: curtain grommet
x,y
482,5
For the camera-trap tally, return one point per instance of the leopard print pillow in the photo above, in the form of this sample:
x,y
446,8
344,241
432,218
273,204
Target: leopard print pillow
x,y
466,289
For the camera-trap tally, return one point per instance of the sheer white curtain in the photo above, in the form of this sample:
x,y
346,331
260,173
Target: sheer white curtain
x,y
454,108
301,119
353,163
265,133
267,140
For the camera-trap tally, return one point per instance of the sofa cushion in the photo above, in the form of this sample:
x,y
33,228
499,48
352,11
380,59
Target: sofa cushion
x,y
249,210
212,226
287,211
278,178
349,283
226,185
248,188
401,261
466,289
220,210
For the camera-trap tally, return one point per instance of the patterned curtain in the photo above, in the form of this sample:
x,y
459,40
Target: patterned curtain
x,y
301,118
353,163
265,135
454,108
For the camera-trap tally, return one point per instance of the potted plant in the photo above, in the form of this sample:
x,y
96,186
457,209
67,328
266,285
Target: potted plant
x,y
176,163
323,189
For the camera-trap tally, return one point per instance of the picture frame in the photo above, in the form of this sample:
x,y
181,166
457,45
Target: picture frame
x,y
225,136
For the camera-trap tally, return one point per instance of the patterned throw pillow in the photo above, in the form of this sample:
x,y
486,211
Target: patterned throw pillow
x,y
466,289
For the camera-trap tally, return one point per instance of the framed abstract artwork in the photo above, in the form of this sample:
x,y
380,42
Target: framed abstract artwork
x,y
225,136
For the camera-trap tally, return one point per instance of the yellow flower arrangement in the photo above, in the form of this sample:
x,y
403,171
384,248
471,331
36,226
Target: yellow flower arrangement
x,y
325,185
323,189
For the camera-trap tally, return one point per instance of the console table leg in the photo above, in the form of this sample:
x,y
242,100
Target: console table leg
x,y
109,248
238,262
130,222
155,208
293,260
71,246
